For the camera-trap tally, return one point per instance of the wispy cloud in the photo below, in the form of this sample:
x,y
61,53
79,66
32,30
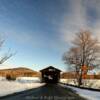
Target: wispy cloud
x,y
84,15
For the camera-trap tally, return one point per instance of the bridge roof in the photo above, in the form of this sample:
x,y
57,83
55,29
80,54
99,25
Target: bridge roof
x,y
50,67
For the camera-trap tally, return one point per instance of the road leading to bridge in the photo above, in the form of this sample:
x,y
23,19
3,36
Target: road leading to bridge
x,y
47,92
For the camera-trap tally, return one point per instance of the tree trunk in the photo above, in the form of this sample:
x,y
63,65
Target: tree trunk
x,y
80,79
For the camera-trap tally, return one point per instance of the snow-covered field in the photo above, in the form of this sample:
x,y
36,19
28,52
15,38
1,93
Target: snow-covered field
x,y
91,83
89,95
21,84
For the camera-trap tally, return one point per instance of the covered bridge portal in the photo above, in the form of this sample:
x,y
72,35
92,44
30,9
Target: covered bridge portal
x,y
50,75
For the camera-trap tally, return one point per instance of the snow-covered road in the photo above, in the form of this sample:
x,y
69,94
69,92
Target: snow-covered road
x,y
90,95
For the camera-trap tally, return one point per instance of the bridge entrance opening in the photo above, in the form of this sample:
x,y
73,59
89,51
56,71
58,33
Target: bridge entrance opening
x,y
50,75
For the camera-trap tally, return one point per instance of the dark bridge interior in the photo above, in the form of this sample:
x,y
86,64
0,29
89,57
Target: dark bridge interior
x,y
50,75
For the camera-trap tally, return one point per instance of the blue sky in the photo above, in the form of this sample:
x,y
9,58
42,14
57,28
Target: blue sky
x,y
41,30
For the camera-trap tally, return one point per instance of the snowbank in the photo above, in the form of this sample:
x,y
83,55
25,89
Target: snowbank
x,y
28,79
91,83
2,78
69,81
21,84
90,95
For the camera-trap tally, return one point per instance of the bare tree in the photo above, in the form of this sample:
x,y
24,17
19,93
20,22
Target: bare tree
x,y
85,52
6,55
